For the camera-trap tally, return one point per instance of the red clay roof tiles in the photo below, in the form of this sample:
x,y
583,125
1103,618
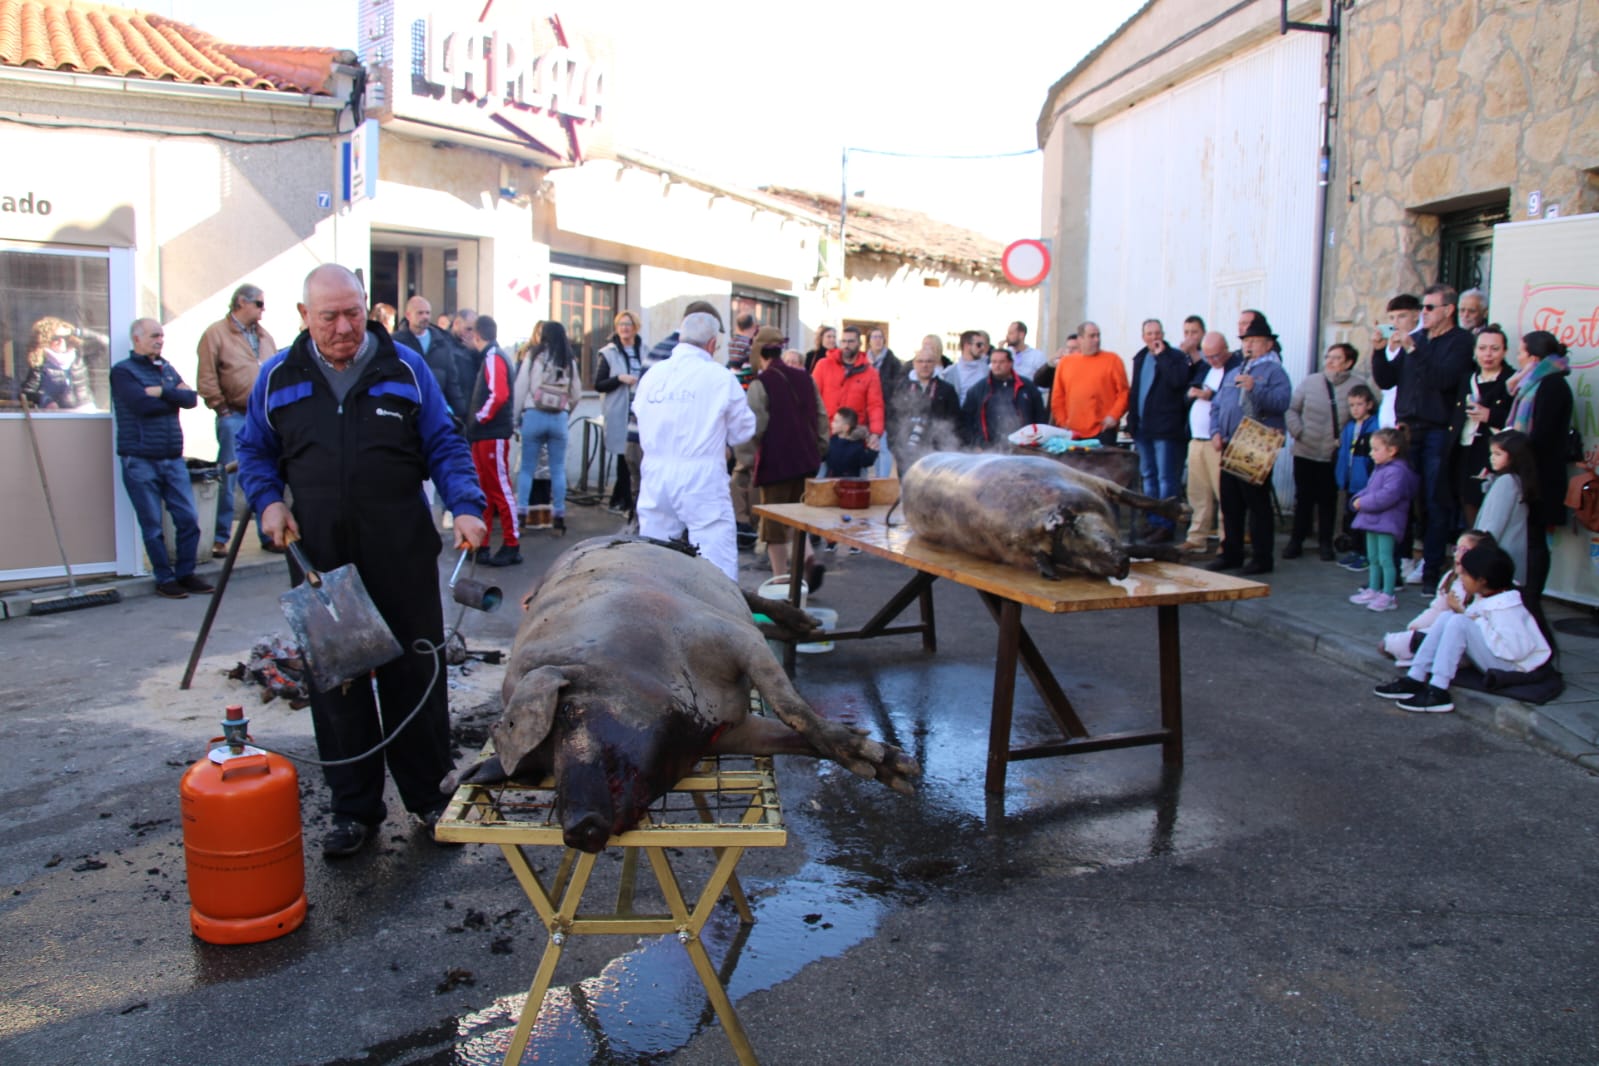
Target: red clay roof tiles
x,y
82,37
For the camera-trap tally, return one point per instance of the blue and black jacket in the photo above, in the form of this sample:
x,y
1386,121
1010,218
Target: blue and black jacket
x,y
148,426
356,468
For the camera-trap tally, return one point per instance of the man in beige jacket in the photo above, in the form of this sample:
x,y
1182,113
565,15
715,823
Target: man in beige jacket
x,y
230,354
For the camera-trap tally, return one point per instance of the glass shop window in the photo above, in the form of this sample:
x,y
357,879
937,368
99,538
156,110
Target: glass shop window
x,y
768,308
586,309
55,310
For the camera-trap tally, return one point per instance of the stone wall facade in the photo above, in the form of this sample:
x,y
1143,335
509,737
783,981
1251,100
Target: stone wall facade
x,y
1445,105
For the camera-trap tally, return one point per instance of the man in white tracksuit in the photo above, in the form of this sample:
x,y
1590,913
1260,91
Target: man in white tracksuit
x,y
690,410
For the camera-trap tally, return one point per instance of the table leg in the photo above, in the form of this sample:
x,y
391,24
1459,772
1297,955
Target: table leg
x,y
796,574
557,927
1171,687
688,933
929,634
1010,625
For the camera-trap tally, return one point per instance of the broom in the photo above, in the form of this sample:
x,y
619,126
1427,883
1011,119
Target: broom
x,y
73,600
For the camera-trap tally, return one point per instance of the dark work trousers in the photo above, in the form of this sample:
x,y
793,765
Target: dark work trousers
x,y
1537,565
622,493
1315,497
1238,499
405,591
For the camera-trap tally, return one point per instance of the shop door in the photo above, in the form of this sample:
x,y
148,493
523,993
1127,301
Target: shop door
x,y
587,309
1468,247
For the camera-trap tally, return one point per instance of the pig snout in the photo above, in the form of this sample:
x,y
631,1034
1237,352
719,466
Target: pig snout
x,y
587,832
1093,546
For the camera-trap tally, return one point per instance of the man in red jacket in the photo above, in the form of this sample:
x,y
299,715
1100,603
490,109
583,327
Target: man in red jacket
x,y
846,378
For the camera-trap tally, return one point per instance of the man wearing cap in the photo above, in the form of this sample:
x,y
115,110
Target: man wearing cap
x,y
790,437
1258,389
690,409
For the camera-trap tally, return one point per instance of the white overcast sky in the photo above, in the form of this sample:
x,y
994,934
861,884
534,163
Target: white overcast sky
x,y
759,94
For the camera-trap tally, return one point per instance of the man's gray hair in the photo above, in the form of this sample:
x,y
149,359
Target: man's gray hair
x,y
698,329
326,270
1478,293
1153,322
245,293
140,327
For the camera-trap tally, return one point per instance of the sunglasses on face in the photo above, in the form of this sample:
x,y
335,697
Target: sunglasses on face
x,y
1431,307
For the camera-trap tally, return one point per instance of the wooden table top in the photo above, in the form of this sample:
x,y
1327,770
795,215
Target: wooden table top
x,y
1148,584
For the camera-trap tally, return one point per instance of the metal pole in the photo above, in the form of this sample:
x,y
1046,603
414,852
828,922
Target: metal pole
x,y
843,197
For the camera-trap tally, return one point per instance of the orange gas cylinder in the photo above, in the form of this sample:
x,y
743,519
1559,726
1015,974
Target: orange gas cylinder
x,y
241,841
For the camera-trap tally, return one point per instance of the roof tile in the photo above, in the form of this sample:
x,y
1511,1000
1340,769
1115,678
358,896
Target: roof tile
x,y
85,37
882,230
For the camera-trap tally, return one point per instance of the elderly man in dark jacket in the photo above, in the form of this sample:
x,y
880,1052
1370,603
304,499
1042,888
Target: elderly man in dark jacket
x,y
1157,420
1000,404
790,435
924,411
441,353
146,395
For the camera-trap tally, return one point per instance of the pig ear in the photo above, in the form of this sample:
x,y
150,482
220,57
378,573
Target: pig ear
x,y
528,716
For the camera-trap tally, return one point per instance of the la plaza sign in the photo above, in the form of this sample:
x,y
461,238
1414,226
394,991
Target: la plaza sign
x,y
510,75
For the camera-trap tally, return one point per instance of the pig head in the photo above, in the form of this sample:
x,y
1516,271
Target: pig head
x,y
634,660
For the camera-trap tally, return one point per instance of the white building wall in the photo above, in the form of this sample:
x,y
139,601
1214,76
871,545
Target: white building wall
x,y
912,309
1203,201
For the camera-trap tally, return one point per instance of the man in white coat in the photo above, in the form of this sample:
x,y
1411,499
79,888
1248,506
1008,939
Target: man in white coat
x,y
690,411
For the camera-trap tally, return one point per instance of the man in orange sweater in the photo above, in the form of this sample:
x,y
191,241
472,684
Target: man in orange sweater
x,y
846,378
1089,396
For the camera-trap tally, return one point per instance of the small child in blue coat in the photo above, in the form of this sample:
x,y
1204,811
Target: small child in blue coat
x,y
1353,464
847,453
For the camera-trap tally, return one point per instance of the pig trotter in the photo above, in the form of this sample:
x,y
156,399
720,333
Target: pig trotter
x,y
1046,566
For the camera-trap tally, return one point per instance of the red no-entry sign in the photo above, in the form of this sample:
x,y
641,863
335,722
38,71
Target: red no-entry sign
x,y
1026,263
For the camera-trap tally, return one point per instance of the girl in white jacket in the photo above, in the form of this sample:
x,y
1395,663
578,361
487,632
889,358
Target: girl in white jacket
x,y
1497,632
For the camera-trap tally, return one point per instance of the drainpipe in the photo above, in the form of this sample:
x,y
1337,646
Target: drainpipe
x,y
1323,162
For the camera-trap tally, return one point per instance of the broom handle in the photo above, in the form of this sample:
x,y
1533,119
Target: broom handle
x,y
44,483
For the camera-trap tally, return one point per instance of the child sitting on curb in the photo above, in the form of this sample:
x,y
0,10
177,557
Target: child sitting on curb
x,y
1451,599
1381,509
1353,465
1497,632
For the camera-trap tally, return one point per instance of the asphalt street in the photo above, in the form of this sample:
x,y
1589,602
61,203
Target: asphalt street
x,y
1328,879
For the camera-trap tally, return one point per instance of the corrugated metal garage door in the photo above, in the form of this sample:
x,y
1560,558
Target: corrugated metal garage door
x,y
1203,200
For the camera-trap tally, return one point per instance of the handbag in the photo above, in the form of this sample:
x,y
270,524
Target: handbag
x,y
1252,453
1573,445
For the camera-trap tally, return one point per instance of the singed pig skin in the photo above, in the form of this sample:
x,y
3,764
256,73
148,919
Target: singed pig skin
x,y
1027,510
633,661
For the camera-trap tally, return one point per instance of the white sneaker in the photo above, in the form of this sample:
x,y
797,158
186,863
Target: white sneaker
x,y
1418,569
1382,602
1364,596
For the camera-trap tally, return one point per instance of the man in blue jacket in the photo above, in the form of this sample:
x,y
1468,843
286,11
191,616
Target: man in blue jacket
x,y
1157,409
353,423
146,394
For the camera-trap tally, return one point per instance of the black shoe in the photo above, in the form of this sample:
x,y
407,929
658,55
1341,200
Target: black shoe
x,y
1327,553
1256,567
814,575
1400,689
485,556
171,590
746,535
194,583
508,555
347,837
430,821
557,527
1224,564
268,546
1294,550
1429,700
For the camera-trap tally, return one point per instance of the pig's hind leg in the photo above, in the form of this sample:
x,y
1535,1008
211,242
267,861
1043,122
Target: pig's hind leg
x,y
802,731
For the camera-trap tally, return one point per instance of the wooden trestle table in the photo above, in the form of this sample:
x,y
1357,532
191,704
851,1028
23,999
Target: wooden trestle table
x,y
1004,591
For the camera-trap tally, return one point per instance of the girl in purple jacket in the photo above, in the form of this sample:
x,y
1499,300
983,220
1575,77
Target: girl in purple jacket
x,y
1380,510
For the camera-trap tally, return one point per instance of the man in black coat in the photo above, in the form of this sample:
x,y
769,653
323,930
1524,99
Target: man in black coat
x,y
1157,408
441,353
1429,372
1000,404
924,411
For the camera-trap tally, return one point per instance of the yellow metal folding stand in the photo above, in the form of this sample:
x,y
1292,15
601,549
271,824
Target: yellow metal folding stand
x,y
725,805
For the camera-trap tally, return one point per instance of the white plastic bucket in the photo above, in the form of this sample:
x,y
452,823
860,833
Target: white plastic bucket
x,y
777,589
829,622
